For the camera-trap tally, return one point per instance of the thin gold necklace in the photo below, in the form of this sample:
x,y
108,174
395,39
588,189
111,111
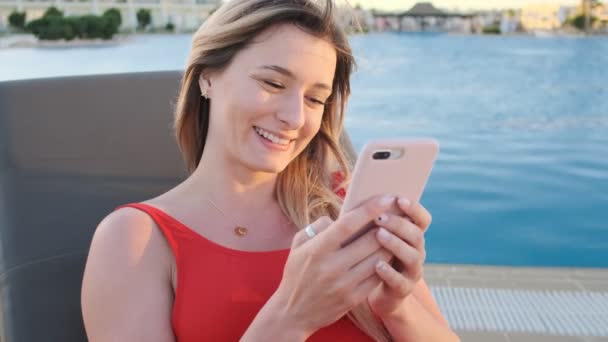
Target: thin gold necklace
x,y
239,230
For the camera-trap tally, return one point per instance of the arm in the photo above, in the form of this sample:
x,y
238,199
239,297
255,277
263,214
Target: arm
x,y
126,290
272,323
419,319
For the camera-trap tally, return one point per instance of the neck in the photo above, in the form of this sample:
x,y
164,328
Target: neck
x,y
232,186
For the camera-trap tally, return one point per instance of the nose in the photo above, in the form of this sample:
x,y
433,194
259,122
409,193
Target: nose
x,y
291,112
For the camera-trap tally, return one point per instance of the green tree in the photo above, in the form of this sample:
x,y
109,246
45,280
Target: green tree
x,y
109,27
170,27
17,20
492,29
587,6
94,26
38,25
144,18
52,12
84,27
58,28
579,21
114,14
78,26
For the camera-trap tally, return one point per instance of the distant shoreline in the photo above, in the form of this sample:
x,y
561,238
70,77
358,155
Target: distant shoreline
x,y
30,41
528,34
21,40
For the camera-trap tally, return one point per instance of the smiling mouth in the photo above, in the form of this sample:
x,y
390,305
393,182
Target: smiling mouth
x,y
271,137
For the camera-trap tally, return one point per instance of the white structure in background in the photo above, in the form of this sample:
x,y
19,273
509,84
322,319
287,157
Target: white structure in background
x,y
601,13
386,24
485,19
184,14
544,17
510,22
354,19
458,25
409,24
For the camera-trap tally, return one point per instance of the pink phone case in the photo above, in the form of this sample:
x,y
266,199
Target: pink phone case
x,y
405,175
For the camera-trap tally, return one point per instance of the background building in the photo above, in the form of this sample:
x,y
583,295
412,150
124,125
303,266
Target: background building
x,y
544,17
186,15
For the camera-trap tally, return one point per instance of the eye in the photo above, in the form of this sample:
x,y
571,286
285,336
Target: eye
x,y
274,84
316,101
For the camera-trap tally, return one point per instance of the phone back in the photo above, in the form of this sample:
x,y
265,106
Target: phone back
x,y
403,175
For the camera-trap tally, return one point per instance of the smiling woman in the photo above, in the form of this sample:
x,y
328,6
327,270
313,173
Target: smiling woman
x,y
249,245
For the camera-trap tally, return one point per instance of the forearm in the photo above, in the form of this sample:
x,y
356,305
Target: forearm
x,y
270,324
413,322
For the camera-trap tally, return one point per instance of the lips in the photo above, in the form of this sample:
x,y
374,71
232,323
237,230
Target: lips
x,y
271,145
272,137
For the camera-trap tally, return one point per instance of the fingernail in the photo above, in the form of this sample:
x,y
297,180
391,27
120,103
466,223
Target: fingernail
x,y
382,266
383,234
383,218
404,202
386,200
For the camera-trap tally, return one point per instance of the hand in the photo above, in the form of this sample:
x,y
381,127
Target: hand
x,y
404,238
322,281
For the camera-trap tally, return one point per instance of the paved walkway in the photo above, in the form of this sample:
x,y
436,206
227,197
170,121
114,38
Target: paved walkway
x,y
521,304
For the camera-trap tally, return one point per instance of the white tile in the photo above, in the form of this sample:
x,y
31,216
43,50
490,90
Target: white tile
x,y
550,312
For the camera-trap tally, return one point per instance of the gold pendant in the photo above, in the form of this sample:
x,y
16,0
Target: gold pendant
x,y
240,231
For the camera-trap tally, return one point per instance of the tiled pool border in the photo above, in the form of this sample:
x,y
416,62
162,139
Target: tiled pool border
x,y
495,303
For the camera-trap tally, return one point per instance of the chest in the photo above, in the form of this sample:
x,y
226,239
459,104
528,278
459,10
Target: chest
x,y
219,294
220,291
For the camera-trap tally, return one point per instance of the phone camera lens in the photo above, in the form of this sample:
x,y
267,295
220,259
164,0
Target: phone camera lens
x,y
381,155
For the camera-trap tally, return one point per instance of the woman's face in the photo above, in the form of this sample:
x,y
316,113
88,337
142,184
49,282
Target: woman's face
x,y
267,105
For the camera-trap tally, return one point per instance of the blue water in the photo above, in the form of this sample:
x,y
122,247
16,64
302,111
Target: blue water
x,y
522,177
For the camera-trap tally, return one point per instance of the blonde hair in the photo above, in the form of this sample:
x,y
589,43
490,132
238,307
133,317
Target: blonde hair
x,y
306,188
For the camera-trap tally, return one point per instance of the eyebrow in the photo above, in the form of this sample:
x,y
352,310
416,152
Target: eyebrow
x,y
290,74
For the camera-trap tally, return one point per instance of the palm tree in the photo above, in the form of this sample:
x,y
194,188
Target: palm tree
x,y
588,6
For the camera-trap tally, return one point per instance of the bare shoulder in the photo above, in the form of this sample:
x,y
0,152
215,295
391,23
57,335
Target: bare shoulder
x,y
127,280
131,235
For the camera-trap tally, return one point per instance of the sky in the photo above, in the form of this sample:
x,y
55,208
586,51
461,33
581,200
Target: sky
x,y
456,4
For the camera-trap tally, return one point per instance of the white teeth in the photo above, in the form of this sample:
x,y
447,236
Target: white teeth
x,y
271,136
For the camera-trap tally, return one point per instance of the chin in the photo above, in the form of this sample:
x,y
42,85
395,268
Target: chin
x,y
268,166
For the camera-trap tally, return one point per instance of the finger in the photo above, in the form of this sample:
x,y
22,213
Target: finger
x,y
363,290
416,212
301,237
394,280
365,268
402,228
357,251
352,222
410,257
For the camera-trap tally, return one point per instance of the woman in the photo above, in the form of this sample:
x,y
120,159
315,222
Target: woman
x,y
221,256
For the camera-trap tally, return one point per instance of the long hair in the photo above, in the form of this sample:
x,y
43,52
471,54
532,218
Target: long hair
x,y
306,189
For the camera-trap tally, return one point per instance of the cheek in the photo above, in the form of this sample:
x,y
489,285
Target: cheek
x,y
241,97
241,111
314,124
310,130
250,103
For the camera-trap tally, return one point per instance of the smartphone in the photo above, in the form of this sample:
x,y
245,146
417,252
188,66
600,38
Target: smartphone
x,y
390,166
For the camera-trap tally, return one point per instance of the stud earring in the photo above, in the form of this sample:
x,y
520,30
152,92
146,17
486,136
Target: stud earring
x,y
205,93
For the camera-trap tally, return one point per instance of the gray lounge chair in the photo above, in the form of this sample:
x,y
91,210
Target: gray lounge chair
x,y
71,150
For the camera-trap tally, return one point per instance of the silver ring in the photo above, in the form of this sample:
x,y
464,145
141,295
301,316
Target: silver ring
x,y
309,231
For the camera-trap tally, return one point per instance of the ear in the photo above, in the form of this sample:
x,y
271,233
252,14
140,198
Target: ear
x,y
204,84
